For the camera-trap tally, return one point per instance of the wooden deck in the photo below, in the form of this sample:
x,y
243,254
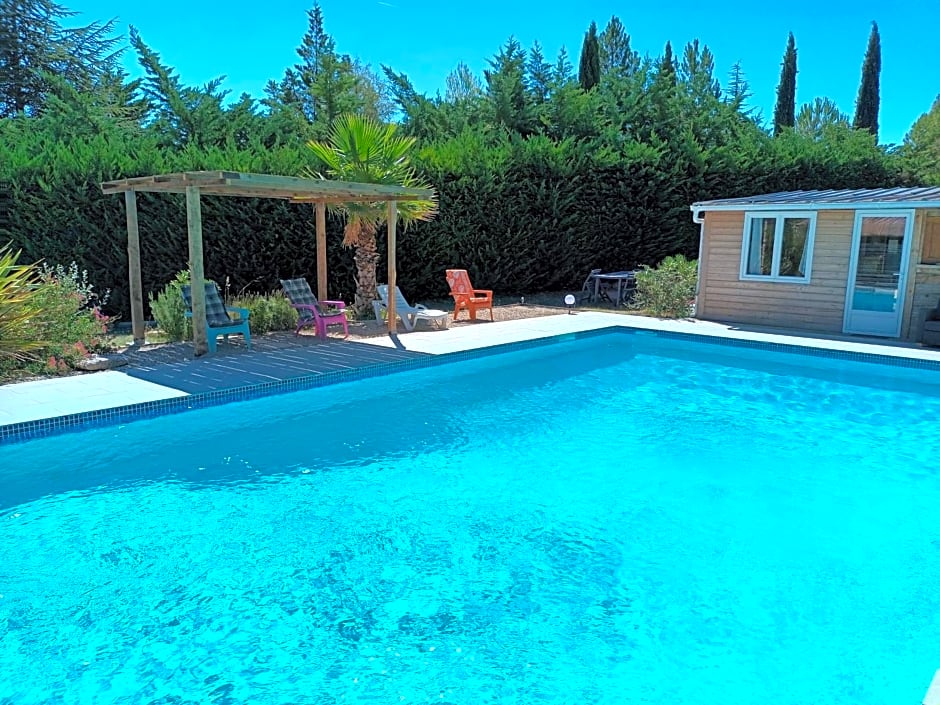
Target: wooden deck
x,y
273,358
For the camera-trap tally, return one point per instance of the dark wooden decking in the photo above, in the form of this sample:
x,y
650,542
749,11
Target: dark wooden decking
x,y
275,357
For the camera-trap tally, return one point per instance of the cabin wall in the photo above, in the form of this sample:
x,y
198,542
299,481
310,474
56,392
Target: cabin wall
x,y
816,306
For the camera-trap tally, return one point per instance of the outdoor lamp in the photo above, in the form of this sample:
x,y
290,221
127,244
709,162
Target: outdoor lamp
x,y
569,302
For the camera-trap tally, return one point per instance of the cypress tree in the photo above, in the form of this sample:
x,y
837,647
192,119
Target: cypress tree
x,y
589,71
866,107
785,109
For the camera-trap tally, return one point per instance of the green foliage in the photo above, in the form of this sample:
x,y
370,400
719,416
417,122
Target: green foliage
x,y
617,57
69,312
669,289
169,309
589,69
35,45
868,102
65,323
538,180
921,149
267,312
785,108
18,306
506,89
815,119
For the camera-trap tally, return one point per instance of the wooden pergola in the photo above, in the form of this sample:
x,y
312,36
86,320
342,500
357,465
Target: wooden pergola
x,y
194,184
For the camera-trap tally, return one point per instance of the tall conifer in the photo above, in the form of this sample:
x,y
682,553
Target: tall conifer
x,y
866,107
785,109
589,71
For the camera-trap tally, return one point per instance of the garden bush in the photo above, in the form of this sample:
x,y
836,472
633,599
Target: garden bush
x,y
169,309
65,325
267,312
668,290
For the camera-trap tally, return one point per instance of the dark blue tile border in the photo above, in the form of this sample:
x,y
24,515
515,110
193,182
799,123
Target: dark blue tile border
x,y
122,414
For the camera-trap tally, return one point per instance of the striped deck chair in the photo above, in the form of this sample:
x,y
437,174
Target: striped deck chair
x,y
312,312
218,321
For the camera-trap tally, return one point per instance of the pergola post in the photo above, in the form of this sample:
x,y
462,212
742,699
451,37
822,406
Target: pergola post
x,y
197,274
133,268
321,251
392,218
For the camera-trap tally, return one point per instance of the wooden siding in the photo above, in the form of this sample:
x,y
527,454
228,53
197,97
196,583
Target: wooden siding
x,y
926,295
931,252
818,305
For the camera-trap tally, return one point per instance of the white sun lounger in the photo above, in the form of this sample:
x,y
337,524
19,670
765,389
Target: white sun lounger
x,y
409,315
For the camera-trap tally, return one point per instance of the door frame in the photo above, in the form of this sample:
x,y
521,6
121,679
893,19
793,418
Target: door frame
x,y
905,266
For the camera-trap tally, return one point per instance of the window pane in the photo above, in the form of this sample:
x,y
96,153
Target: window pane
x,y
760,246
794,253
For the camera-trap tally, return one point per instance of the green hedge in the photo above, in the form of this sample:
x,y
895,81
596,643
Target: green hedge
x,y
521,215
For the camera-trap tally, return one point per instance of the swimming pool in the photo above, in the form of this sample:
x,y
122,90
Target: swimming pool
x,y
624,518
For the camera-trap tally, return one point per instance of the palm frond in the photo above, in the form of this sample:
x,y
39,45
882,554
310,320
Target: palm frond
x,y
18,284
363,150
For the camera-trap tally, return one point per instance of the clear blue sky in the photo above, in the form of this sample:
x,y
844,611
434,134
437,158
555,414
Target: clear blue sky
x,y
253,42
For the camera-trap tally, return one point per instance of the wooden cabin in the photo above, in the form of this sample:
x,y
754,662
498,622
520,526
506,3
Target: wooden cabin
x,y
863,261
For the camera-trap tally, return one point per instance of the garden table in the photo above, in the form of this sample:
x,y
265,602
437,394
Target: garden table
x,y
626,283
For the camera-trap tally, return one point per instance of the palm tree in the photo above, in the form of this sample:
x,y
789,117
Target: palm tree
x,y
363,150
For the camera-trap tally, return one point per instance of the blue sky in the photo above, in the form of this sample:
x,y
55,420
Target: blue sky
x,y
251,42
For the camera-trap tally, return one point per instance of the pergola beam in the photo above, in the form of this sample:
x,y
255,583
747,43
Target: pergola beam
x,y
392,218
197,273
133,268
294,188
321,251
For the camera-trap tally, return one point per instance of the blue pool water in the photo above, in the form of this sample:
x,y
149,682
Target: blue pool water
x,y
610,520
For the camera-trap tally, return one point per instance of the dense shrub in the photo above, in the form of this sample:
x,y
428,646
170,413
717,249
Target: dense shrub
x,y
267,312
67,323
668,290
169,309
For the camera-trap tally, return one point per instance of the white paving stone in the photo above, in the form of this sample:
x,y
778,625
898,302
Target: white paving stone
x,y
48,398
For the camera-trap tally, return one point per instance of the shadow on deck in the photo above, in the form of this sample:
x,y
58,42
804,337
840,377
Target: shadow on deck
x,y
273,358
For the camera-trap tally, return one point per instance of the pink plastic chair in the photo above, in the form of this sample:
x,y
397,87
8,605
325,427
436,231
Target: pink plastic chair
x,y
310,311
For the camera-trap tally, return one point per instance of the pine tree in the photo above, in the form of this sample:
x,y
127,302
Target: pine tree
x,y
697,72
34,45
462,85
666,71
785,109
739,90
815,118
315,45
589,70
538,74
616,55
562,73
505,84
866,107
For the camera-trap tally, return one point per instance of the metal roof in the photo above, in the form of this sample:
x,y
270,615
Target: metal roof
x,y
924,197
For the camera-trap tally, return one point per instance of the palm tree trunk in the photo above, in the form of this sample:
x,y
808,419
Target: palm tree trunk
x,y
366,257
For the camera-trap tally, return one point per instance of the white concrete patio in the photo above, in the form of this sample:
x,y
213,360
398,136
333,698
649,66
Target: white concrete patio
x,y
50,398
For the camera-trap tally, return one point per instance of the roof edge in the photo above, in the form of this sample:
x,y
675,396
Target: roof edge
x,y
808,206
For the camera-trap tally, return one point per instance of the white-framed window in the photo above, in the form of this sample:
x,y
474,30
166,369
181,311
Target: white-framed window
x,y
778,246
